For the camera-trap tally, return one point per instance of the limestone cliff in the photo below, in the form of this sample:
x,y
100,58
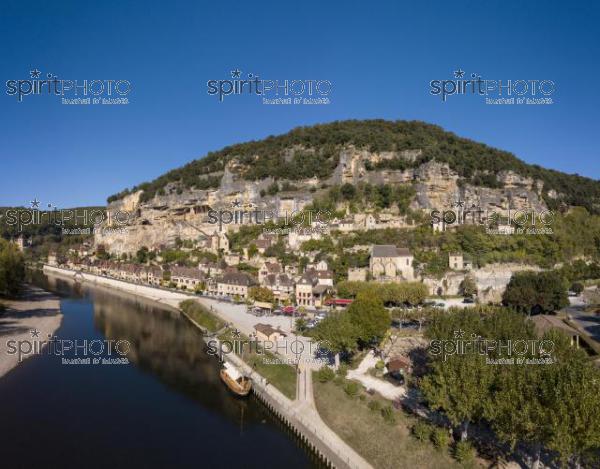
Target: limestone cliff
x,y
180,212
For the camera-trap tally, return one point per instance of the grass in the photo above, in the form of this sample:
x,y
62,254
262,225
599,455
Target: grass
x,y
201,315
385,444
280,375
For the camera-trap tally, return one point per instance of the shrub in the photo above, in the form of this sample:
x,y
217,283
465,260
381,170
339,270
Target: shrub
x,y
342,370
379,365
422,431
464,452
325,374
388,414
440,438
375,406
352,388
362,397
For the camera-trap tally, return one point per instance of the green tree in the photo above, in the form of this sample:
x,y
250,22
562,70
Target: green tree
x,y
337,334
12,269
536,292
369,317
252,250
348,191
141,256
261,294
468,287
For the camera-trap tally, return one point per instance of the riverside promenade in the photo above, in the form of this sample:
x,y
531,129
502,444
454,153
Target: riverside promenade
x,y
300,415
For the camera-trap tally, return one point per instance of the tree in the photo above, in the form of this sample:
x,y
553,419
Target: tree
x,y
301,324
348,191
460,386
468,287
252,250
12,268
369,317
261,294
575,421
536,292
141,255
337,334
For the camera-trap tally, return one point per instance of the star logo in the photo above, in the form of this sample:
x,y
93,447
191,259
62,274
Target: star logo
x,y
34,333
459,334
459,73
35,203
35,73
236,203
236,333
459,203
236,73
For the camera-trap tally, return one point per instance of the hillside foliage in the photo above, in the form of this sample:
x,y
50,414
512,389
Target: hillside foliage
x,y
313,151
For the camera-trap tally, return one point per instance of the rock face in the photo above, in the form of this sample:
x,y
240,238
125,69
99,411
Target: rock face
x,y
183,213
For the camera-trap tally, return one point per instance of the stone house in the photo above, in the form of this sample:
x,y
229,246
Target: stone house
x,y
391,263
235,284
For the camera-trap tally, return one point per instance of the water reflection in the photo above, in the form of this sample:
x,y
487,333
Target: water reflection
x,y
167,408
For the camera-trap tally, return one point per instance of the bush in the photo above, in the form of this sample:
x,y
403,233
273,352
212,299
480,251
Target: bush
x,y
362,397
338,380
342,370
375,406
325,374
379,365
464,452
388,414
352,388
422,431
440,438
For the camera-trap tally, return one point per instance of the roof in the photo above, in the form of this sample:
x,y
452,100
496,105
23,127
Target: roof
x,y
272,267
338,301
237,278
267,329
320,289
389,250
399,363
187,272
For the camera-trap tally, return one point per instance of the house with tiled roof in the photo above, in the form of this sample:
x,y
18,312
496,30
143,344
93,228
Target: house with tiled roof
x,y
187,277
234,283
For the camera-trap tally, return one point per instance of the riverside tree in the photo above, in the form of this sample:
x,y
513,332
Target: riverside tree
x,y
12,268
337,334
553,406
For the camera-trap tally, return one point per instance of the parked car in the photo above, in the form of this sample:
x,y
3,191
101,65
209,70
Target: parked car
x,y
468,300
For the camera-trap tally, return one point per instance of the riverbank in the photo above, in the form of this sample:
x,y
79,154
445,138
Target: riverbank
x,y
32,317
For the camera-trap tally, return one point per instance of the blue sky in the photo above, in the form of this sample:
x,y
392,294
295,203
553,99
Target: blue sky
x,y
379,56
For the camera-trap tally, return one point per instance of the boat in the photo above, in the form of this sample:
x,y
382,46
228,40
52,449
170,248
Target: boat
x,y
238,383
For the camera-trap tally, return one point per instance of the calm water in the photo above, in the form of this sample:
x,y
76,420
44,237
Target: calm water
x,y
167,408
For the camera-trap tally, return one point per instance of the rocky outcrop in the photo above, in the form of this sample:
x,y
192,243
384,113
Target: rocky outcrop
x,y
183,213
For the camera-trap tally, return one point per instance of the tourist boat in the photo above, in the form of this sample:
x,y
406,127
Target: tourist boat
x,y
234,380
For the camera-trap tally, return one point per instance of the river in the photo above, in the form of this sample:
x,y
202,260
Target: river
x,y
166,408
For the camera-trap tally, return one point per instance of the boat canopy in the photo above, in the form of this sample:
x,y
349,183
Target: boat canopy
x,y
232,371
